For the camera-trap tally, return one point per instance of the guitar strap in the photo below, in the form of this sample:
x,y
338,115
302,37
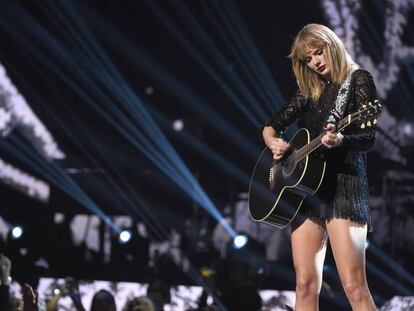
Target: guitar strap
x,y
338,110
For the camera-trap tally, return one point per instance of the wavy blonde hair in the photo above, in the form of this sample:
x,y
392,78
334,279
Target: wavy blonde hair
x,y
315,36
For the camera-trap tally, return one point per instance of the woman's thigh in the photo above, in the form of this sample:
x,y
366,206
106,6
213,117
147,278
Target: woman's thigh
x,y
347,240
308,240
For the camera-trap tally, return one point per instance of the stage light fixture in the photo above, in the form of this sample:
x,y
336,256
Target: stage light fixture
x,y
240,241
178,125
125,236
16,232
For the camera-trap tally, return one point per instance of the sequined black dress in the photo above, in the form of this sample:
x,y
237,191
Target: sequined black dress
x,y
344,191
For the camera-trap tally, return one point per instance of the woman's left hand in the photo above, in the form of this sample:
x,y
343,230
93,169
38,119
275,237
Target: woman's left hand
x,y
330,140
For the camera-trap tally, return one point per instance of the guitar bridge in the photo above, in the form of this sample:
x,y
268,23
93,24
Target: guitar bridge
x,y
272,177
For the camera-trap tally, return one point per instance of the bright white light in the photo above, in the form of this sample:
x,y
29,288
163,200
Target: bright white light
x,y
181,296
178,125
124,236
17,232
56,291
240,241
16,113
24,182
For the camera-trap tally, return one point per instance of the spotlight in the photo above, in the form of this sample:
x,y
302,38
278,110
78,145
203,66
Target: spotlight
x,y
240,241
124,236
16,232
178,125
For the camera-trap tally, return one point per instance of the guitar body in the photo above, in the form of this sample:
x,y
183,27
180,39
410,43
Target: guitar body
x,y
275,198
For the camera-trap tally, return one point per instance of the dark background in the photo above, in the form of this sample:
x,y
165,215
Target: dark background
x,y
134,40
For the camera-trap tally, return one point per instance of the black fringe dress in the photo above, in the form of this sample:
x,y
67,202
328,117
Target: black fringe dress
x,y
344,190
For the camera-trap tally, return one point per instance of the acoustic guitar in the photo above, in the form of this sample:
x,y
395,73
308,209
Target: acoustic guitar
x,y
278,188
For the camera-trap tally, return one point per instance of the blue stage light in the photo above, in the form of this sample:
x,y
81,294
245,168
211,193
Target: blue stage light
x,y
240,241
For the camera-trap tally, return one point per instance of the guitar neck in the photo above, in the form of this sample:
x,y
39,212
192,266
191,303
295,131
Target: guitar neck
x,y
317,141
368,111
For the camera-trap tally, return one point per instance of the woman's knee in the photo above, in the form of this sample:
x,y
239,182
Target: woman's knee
x,y
307,286
356,290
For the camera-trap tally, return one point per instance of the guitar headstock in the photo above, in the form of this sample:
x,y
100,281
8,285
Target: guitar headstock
x,y
368,114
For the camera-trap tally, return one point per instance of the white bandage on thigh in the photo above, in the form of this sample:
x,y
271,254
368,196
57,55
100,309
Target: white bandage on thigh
x,y
358,236
320,259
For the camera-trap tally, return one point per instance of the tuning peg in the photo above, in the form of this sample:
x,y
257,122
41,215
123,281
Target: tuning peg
x,y
369,123
376,101
364,106
374,122
362,125
370,104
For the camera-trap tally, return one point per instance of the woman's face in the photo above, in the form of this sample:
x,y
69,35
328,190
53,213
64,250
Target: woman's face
x,y
317,61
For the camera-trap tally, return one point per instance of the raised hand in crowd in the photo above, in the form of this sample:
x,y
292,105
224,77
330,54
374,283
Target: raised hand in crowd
x,y
30,298
5,268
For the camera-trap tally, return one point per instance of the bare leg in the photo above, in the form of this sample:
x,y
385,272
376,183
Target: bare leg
x,y
348,246
308,250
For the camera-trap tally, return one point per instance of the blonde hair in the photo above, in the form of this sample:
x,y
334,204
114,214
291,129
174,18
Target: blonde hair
x,y
341,63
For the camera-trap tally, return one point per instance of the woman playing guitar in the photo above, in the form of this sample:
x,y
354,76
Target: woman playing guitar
x,y
330,86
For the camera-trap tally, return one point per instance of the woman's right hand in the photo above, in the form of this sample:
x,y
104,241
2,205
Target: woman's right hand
x,y
278,147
